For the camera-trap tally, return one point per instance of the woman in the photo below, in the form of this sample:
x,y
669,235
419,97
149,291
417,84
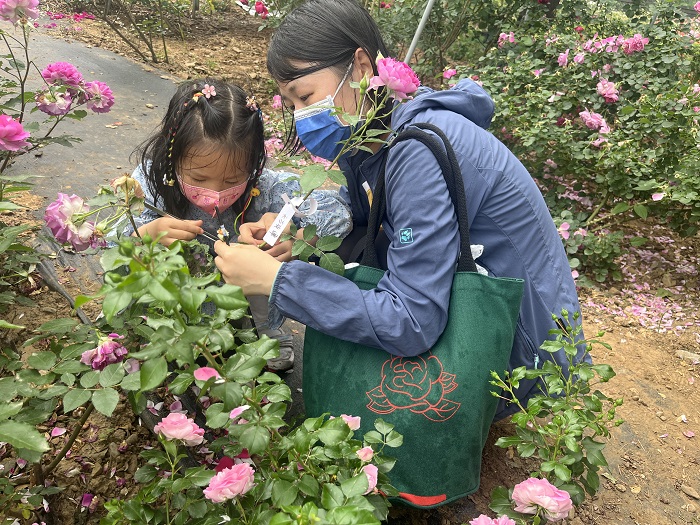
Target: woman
x,y
316,52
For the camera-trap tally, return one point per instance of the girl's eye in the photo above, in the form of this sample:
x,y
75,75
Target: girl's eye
x,y
304,98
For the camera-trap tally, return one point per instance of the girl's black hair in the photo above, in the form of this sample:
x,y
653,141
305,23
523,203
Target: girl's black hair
x,y
226,119
322,34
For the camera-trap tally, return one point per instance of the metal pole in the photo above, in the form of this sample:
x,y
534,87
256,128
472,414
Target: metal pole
x,y
421,26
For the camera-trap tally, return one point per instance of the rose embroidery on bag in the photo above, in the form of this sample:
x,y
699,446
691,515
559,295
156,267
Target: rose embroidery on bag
x,y
417,384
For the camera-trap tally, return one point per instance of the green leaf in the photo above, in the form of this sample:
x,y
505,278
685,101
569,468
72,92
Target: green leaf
x,y
334,431
328,243
228,296
105,400
337,177
112,374
355,486
132,382
89,379
313,176
22,435
641,210
283,492
309,232
217,417
42,360
333,263
145,473
562,472
309,485
74,399
10,326
114,302
332,496
153,373
163,290
58,326
620,207
7,410
255,439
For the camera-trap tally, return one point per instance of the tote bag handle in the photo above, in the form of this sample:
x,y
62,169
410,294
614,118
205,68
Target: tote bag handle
x,y
449,166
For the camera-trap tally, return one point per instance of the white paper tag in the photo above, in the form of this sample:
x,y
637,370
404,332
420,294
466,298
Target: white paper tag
x,y
279,224
298,201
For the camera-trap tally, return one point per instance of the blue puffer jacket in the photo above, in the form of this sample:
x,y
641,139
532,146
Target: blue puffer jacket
x,y
407,311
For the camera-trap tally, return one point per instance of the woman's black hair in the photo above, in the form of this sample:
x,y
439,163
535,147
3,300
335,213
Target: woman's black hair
x,y
226,119
322,34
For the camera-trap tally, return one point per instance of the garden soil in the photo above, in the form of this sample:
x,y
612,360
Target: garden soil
x,y
654,456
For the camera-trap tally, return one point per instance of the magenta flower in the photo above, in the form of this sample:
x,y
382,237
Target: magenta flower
x,y
62,73
109,351
538,72
563,59
15,10
65,218
397,76
534,493
99,96
485,520
231,482
384,5
205,373
449,73
697,7
53,102
506,37
635,43
579,58
564,230
12,134
180,427
261,9
592,120
277,102
371,472
597,143
607,90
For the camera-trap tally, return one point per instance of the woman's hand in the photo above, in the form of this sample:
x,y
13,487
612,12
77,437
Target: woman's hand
x,y
174,229
253,233
249,267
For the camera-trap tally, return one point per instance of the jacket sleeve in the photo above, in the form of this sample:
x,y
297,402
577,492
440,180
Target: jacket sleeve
x,y
332,216
407,311
146,215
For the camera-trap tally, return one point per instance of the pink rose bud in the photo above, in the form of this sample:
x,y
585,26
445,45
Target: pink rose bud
x,y
365,454
230,483
352,421
397,76
180,427
371,472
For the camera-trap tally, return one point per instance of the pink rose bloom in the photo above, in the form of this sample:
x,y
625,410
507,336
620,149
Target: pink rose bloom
x,y
15,10
563,58
261,9
236,412
537,72
481,520
109,351
53,102
607,90
365,453
59,217
506,37
696,109
205,373
533,493
371,472
657,196
384,5
503,520
597,143
564,230
352,421
635,43
99,96
277,102
574,274
592,120
62,73
697,7
696,89
449,73
179,426
579,58
230,483
396,76
578,29
12,134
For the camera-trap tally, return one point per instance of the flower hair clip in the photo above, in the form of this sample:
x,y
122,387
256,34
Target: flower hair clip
x,y
207,92
252,104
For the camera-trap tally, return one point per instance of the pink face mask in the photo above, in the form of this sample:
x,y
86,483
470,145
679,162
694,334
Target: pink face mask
x,y
206,200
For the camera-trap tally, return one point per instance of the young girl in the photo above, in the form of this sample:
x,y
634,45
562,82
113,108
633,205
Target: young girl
x,y
205,165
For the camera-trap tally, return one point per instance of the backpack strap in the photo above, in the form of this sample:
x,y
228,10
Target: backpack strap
x,y
442,150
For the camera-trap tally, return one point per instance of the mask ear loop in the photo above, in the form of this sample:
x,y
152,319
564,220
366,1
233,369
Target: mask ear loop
x,y
345,77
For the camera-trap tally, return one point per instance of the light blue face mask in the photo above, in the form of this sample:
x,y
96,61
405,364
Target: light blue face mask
x,y
320,131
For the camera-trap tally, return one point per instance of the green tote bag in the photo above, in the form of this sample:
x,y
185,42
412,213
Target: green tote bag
x,y
441,400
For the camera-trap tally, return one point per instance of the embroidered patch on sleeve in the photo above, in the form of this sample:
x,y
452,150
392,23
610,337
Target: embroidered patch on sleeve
x,y
406,235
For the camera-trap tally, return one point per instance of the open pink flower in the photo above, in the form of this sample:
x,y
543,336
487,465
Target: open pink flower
x,y
63,218
352,421
607,90
208,91
534,492
563,59
592,120
564,230
15,10
485,520
261,9
396,76
99,96
371,472
277,102
635,43
12,134
538,72
230,483
53,102
579,58
62,73
180,427
449,73
205,373
506,37
697,7
109,351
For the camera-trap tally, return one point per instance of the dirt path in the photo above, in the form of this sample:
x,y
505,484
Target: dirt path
x,y
654,476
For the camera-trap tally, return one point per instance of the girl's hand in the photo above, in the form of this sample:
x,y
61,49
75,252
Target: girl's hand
x,y
253,232
249,267
175,229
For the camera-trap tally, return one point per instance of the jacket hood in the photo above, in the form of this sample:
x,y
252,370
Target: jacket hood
x,y
465,98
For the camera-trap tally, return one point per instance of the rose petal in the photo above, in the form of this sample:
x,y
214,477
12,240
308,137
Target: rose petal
x,y
57,431
204,373
689,434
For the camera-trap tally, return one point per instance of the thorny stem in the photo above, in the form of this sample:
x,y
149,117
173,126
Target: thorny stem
x,y
592,217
